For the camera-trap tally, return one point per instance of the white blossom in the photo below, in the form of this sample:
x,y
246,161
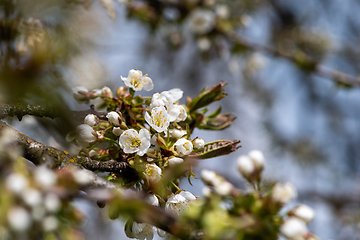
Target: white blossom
x,y
137,81
152,173
283,192
158,120
304,212
106,91
19,219
258,158
45,177
210,177
117,131
199,143
32,197
183,147
50,223
52,202
152,200
182,115
143,231
85,135
245,166
131,141
90,120
16,182
175,161
179,202
294,228
114,118
223,188
166,97
201,21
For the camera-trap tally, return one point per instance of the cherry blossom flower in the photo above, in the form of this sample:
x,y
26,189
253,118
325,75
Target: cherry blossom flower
x,y
131,141
137,81
166,97
179,202
294,228
158,120
304,212
283,192
201,21
183,147
85,135
175,133
152,173
143,231
199,143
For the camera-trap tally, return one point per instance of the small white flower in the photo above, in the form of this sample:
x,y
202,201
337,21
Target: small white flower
x,y
85,135
50,223
245,166
45,177
52,203
152,173
183,147
19,219
117,131
32,197
91,120
166,97
114,118
176,112
137,81
210,177
294,228
143,231
175,133
131,141
179,202
304,212
199,143
283,192
158,120
175,161
201,21
16,182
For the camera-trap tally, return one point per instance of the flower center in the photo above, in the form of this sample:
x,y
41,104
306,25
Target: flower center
x,y
134,142
158,119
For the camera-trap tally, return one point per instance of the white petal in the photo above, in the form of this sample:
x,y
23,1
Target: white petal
x,y
148,84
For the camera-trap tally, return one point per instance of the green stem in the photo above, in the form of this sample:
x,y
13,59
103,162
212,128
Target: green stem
x,y
109,139
132,92
177,188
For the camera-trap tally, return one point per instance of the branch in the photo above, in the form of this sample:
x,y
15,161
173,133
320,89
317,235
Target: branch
x,y
39,153
301,60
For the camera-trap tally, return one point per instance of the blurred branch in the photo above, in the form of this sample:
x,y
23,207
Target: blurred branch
x,y
300,59
39,153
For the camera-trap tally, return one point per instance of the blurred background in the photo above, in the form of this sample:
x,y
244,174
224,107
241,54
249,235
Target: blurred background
x,y
308,127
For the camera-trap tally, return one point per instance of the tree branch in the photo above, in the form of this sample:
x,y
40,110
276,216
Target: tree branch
x,y
301,60
39,153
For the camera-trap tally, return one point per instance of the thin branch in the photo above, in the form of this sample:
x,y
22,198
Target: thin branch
x,y
39,153
301,60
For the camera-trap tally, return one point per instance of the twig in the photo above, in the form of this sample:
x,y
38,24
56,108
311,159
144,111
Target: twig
x,y
301,60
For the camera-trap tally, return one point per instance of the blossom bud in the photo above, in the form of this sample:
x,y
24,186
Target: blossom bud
x,y
224,188
16,182
175,133
91,120
294,228
85,135
206,191
199,143
183,147
117,131
175,161
32,197
245,166
283,193
304,212
114,118
80,94
19,219
106,91
258,159
152,200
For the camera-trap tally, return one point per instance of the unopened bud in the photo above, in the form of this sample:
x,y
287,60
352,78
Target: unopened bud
x,y
91,120
175,161
283,193
117,131
294,228
114,118
304,212
106,91
198,143
258,159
